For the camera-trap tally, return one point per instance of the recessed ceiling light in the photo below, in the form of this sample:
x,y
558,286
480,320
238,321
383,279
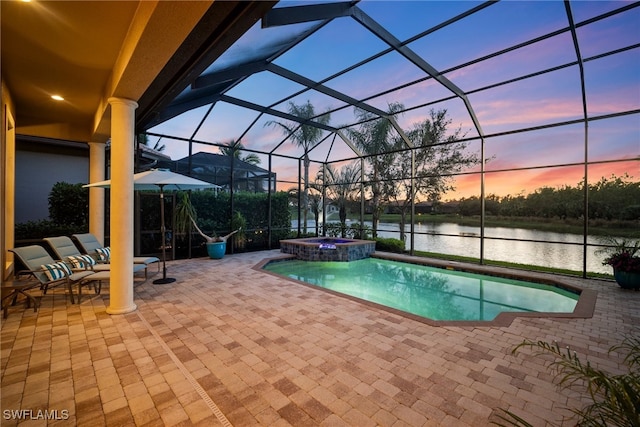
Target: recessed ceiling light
x,y
57,97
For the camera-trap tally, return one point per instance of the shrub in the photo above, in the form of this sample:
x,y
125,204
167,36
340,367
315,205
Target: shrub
x,y
214,216
238,222
32,230
69,204
333,229
68,214
389,244
359,231
352,231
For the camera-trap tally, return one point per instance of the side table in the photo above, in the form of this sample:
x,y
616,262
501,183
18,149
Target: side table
x,y
11,289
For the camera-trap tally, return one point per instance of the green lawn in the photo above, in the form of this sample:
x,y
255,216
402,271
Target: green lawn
x,y
526,267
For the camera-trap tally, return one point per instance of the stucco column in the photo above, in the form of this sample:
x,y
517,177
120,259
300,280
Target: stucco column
x,y
121,214
96,195
7,189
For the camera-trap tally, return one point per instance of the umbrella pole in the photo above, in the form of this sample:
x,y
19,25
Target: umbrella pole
x,y
164,279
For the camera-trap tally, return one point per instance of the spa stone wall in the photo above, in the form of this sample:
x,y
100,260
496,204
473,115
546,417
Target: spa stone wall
x,y
314,252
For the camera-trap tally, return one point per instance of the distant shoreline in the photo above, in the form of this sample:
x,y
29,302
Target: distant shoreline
x,y
596,227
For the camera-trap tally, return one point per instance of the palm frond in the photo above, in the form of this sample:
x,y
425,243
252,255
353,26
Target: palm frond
x,y
511,419
615,398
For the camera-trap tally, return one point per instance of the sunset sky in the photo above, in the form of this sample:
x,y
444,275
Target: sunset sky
x,y
612,84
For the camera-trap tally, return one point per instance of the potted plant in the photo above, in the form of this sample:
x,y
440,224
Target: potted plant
x,y
185,213
623,257
216,245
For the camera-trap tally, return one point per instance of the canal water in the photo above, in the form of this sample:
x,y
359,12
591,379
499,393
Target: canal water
x,y
557,250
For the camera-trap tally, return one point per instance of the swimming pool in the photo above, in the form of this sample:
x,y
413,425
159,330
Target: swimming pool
x,y
431,292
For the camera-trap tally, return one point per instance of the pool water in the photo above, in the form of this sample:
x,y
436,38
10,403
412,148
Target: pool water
x,y
434,293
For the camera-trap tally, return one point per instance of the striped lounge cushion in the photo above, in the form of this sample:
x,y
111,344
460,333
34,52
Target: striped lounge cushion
x,y
81,261
56,271
104,254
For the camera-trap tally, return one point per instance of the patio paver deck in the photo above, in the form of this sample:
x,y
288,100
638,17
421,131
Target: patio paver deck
x,y
229,345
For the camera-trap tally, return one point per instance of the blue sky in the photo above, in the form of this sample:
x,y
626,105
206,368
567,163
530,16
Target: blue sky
x,y
612,83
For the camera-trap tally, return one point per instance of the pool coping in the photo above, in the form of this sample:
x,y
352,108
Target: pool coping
x,y
584,308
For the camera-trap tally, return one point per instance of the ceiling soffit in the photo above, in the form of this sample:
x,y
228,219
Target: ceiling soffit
x,y
157,31
221,26
90,51
61,47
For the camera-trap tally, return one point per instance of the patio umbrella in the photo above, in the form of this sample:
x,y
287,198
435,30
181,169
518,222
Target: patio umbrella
x,y
162,179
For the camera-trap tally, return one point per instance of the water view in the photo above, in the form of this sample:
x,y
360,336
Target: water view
x,y
455,239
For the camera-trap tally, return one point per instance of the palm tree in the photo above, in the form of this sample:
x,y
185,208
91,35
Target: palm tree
x,y
374,139
233,148
315,205
342,186
305,136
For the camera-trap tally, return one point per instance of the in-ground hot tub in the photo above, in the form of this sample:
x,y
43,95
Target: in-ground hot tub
x,y
328,248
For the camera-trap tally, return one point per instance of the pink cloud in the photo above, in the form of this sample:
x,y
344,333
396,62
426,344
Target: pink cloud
x,y
505,113
527,181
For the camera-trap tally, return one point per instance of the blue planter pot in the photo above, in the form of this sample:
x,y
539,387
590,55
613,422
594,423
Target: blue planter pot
x,y
627,279
216,250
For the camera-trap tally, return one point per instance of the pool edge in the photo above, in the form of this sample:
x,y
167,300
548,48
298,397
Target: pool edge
x,y
584,309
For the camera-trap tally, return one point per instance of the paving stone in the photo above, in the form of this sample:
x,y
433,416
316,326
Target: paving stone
x,y
228,339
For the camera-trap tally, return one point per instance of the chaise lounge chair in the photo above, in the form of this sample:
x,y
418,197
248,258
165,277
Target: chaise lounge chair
x,y
67,251
92,246
51,273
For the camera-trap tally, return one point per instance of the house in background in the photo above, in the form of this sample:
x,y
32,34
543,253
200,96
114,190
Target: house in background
x,y
149,158
43,162
217,169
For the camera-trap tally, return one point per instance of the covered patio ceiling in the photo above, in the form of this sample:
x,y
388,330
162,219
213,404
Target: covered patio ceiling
x,y
497,68
88,51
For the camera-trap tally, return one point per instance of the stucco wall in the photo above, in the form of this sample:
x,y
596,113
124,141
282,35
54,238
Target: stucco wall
x,y
36,173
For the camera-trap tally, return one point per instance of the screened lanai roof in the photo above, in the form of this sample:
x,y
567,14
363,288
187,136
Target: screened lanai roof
x,y
498,68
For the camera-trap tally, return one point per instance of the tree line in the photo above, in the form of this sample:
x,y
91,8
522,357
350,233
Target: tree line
x,y
611,198
420,163
402,164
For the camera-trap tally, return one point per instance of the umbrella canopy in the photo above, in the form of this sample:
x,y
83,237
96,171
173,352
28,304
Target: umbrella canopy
x,y
164,180
155,178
